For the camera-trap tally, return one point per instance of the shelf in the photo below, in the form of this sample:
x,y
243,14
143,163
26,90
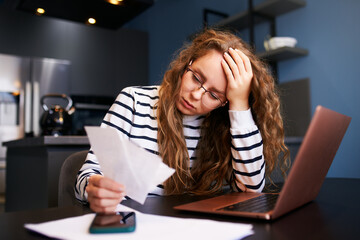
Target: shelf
x,y
283,53
275,8
270,8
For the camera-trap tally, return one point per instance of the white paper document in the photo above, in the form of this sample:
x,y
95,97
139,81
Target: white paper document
x,y
147,227
126,163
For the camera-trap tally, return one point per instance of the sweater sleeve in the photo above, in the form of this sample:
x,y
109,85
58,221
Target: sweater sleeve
x,y
247,152
119,116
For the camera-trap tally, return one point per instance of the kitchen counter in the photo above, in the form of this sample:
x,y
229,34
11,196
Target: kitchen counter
x,y
83,140
33,167
293,140
48,140
34,164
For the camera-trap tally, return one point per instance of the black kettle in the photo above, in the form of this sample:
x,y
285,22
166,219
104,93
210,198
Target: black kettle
x,y
56,120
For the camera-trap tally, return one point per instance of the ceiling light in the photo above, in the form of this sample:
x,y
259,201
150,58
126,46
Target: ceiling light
x,y
40,11
115,2
92,20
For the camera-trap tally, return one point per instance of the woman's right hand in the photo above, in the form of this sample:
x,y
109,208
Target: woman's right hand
x,y
104,194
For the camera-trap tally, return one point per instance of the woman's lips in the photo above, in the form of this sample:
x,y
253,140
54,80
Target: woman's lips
x,y
187,104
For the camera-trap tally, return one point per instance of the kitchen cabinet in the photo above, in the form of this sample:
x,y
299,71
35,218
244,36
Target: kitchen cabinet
x,y
33,167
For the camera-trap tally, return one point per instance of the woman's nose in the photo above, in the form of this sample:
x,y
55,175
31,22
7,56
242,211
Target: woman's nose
x,y
197,93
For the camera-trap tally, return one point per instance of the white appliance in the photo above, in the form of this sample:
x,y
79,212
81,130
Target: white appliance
x,y
23,80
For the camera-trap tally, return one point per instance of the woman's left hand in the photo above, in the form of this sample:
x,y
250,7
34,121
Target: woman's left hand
x,y
238,71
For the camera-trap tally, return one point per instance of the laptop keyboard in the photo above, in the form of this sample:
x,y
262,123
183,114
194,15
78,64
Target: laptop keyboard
x,y
260,204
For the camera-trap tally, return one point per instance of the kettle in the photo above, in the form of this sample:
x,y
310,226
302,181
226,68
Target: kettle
x,y
56,120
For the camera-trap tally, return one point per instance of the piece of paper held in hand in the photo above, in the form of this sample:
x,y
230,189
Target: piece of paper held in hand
x,y
126,163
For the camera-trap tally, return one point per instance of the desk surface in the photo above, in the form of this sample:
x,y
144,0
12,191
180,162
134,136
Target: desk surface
x,y
333,215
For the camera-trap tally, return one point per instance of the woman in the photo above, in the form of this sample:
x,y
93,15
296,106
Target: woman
x,y
215,119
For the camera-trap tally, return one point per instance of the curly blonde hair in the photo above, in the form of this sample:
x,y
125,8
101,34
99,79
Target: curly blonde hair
x,y
213,166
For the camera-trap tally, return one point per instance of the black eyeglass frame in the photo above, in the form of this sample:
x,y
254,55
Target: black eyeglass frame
x,y
198,79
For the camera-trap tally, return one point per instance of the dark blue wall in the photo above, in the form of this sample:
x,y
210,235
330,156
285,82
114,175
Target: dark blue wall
x,y
327,28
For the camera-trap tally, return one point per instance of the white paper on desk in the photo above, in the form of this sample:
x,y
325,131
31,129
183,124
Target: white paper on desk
x,y
123,161
147,227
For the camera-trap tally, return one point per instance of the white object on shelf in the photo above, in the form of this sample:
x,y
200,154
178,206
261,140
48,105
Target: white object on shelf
x,y
278,42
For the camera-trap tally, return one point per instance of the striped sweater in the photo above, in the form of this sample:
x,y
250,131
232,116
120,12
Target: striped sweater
x,y
133,114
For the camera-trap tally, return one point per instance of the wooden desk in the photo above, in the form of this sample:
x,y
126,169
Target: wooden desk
x,y
333,215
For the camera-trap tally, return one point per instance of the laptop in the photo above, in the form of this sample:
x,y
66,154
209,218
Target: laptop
x,y
315,155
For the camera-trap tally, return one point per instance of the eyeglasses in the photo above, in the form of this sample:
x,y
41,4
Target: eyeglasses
x,y
209,99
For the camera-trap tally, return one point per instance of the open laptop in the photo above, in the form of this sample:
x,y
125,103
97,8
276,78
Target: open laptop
x,y
312,162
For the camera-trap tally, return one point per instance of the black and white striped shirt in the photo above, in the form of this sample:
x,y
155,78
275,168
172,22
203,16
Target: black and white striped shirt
x,y
134,115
